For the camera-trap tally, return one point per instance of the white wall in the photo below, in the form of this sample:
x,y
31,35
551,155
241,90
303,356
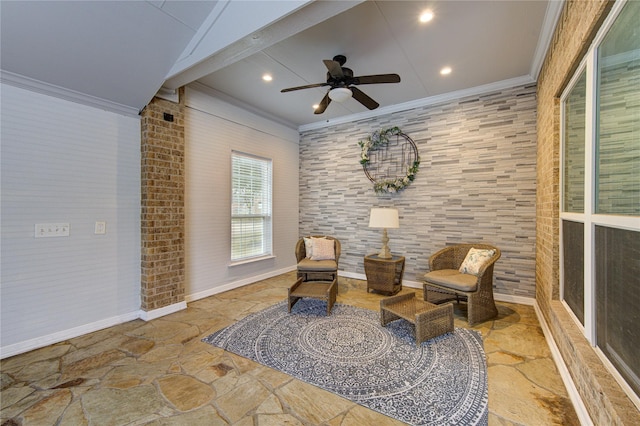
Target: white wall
x,y
213,129
65,162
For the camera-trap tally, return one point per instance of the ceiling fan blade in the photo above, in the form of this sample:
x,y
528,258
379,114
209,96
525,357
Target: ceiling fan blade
x,y
324,103
308,86
376,79
364,99
335,69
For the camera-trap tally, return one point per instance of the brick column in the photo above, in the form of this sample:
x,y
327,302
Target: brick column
x,y
162,204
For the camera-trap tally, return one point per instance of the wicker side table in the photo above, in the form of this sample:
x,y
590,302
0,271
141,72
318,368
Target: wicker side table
x,y
384,275
430,320
323,290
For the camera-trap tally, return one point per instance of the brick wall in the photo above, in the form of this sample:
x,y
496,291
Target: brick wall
x,y
605,402
162,205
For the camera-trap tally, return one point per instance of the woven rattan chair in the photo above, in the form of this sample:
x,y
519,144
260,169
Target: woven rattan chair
x,y
317,270
444,282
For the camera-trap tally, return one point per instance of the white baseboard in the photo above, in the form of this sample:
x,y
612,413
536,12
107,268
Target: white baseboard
x,y
61,336
578,404
165,310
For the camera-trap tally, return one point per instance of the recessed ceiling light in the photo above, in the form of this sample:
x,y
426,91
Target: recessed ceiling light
x,y
426,16
267,77
315,106
445,71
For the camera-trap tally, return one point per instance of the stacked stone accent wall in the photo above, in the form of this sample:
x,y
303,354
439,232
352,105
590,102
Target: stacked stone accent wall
x,y
162,205
603,398
476,183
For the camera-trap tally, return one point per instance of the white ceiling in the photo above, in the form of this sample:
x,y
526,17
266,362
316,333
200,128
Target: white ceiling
x,y
119,51
122,52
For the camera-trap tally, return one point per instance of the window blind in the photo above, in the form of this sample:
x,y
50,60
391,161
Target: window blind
x,y
250,207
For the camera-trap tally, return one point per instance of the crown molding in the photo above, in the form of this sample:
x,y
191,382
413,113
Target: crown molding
x,y
418,103
551,16
48,89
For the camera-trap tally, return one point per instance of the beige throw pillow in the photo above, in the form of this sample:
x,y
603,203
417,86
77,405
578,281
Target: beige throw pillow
x,y
475,260
308,245
323,249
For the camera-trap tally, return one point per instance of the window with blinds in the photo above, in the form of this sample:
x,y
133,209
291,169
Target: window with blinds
x,y
250,207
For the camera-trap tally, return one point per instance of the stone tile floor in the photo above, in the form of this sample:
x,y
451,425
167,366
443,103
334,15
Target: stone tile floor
x,y
160,373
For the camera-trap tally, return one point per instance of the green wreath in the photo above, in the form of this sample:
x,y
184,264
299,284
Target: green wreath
x,y
376,140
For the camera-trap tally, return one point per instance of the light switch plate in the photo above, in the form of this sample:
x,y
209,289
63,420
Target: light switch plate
x,y
47,230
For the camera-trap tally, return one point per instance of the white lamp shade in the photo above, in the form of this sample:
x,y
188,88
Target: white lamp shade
x,y
384,218
340,94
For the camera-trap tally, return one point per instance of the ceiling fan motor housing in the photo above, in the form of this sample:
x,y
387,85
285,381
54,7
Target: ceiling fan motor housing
x,y
345,80
341,59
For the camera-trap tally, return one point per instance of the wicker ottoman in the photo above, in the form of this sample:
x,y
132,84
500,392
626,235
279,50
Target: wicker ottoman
x,y
323,290
430,320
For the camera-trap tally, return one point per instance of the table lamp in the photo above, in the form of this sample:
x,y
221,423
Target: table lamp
x,y
384,218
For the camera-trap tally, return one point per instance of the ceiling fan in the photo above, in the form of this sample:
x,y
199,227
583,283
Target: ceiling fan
x,y
342,84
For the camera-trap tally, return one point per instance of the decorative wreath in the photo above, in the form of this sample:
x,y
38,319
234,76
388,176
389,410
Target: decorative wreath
x,y
378,139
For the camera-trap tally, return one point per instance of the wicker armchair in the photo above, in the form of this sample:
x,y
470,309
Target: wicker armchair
x,y
445,282
317,270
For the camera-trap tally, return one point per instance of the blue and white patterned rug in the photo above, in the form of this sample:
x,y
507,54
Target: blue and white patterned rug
x,y
441,382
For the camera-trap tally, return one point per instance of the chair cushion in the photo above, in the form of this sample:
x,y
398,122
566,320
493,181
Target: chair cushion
x,y
453,279
323,249
317,265
475,260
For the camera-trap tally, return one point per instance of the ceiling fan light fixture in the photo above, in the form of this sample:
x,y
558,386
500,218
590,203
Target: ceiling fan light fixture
x,y
340,94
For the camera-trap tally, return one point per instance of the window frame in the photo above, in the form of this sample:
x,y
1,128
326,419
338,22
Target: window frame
x,y
574,216
266,215
589,217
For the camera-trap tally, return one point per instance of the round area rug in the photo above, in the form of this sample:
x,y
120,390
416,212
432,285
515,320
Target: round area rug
x,y
442,381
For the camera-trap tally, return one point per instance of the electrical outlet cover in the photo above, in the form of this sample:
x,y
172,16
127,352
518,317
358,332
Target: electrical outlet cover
x,y
101,228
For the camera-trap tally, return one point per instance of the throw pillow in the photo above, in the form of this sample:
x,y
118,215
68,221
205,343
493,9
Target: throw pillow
x,y
475,260
323,249
308,246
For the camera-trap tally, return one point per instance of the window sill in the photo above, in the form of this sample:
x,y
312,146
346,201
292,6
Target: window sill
x,y
252,260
